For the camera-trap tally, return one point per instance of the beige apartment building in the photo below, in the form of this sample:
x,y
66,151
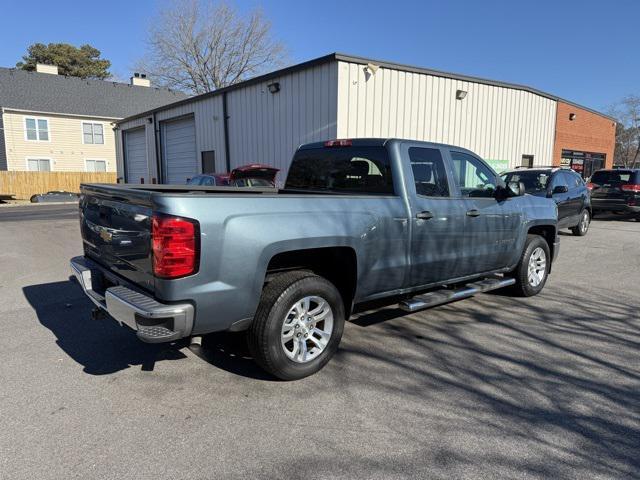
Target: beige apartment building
x,y
50,122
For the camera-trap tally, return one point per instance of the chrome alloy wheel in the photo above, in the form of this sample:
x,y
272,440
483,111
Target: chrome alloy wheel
x,y
307,329
537,267
584,222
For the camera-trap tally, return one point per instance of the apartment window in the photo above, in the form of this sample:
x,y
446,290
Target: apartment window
x,y
36,129
96,165
92,133
39,164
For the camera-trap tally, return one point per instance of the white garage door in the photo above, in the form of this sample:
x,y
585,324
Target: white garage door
x,y
135,156
179,150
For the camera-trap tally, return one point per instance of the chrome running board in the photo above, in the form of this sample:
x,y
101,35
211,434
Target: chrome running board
x,y
445,295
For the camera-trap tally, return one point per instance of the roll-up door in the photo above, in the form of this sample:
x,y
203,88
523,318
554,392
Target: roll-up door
x,y
135,156
179,157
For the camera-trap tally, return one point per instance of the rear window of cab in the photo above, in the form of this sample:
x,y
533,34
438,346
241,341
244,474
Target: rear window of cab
x,y
350,169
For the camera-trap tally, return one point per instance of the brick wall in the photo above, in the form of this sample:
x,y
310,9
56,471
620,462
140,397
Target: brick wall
x,y
588,132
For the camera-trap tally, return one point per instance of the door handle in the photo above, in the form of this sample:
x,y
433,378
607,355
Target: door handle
x,y
426,215
473,212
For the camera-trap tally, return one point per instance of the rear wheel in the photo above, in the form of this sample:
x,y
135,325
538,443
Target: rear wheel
x,y
533,268
298,325
583,225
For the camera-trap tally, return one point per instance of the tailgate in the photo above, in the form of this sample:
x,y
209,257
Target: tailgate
x,y
116,232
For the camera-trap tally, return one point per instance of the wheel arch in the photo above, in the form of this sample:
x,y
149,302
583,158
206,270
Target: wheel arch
x,y
548,232
337,264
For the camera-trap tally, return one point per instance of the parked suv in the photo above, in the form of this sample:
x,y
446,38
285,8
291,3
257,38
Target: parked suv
x,y
565,187
615,191
252,175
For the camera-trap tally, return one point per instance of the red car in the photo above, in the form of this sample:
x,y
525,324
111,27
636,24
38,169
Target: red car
x,y
252,175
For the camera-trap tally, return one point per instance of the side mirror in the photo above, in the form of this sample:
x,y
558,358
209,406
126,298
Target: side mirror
x,y
560,189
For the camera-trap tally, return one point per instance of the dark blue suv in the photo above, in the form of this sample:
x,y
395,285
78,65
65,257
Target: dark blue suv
x,y
565,187
616,190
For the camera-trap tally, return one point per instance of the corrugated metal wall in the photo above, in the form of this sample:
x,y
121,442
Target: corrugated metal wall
x,y
264,127
341,100
209,131
268,128
209,123
495,122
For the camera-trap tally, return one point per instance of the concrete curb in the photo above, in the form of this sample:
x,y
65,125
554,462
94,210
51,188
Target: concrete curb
x,y
29,204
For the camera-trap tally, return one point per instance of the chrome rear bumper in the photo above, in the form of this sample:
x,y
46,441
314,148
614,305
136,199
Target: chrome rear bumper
x,y
153,321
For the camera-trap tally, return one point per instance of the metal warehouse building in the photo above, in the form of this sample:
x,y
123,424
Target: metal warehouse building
x,y
263,120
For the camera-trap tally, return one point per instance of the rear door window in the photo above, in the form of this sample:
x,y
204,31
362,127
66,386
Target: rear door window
x,y
349,169
575,180
534,181
429,173
571,179
559,180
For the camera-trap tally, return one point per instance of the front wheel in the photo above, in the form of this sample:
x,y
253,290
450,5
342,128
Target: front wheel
x,y
298,325
533,269
581,228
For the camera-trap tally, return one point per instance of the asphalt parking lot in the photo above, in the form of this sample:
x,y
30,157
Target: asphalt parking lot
x,y
490,387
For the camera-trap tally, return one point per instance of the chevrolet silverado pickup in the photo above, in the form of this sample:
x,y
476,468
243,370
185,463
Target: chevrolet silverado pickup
x,y
358,220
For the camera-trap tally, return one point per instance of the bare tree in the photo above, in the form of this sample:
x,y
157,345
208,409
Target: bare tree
x,y
197,47
627,113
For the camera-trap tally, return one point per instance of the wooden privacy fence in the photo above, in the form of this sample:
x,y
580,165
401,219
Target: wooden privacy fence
x,y
25,184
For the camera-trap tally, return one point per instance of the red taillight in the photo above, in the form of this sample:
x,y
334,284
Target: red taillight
x,y
630,187
338,143
175,246
590,186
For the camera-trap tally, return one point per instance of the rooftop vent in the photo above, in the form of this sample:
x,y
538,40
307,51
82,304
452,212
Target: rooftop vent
x,y
42,68
140,80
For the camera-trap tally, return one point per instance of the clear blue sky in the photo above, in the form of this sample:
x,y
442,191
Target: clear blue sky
x,y
582,50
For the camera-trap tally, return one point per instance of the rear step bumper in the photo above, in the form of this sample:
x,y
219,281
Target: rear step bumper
x,y
153,321
438,297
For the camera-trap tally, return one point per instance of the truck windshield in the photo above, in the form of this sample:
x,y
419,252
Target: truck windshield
x,y
534,181
351,169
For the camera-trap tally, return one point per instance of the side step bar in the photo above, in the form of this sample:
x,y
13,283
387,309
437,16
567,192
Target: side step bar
x,y
444,295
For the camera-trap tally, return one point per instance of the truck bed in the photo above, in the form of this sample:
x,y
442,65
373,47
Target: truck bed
x,y
141,191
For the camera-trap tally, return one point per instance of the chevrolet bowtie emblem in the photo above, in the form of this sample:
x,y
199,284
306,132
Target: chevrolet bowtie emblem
x,y
106,235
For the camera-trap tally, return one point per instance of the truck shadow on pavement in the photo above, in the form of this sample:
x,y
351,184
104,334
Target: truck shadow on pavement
x,y
229,351
102,346
542,387
557,380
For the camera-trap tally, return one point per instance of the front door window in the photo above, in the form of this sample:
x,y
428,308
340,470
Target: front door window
x,y
473,177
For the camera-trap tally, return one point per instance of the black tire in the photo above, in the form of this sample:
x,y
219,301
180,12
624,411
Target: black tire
x,y
278,298
523,287
582,228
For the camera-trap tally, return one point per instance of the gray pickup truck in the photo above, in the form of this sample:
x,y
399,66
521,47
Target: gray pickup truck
x,y
358,220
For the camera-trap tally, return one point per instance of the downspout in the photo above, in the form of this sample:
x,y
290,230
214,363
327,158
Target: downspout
x,y
156,142
226,131
3,130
